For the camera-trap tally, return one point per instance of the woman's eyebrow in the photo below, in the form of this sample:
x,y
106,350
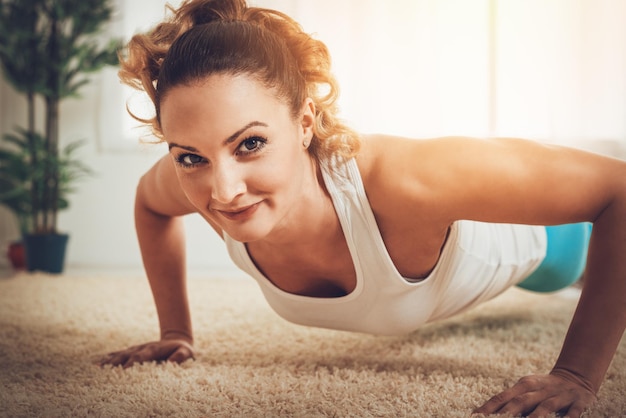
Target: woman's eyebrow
x,y
185,147
242,130
228,140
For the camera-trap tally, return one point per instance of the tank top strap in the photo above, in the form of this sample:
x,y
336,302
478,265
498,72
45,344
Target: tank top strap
x,y
345,186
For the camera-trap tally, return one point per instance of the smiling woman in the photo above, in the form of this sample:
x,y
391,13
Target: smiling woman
x,y
368,233
238,151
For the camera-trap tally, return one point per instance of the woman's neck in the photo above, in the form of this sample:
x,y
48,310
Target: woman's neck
x,y
312,220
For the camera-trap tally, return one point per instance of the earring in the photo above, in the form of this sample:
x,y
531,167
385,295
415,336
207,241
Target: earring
x,y
305,143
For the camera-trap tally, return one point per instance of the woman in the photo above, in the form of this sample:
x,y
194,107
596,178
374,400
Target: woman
x,y
365,233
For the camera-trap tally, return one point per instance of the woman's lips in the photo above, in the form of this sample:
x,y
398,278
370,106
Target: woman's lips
x,y
240,214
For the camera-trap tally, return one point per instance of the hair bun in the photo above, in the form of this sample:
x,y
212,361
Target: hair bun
x,y
199,12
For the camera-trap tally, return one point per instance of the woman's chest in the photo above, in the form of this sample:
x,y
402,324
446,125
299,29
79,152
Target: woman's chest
x,y
324,270
329,269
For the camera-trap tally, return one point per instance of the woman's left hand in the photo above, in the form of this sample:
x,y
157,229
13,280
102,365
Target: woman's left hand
x,y
541,395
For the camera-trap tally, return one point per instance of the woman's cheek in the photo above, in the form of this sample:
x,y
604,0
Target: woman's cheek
x,y
196,193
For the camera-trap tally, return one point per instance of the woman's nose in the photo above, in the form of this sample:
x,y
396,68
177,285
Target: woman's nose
x,y
228,183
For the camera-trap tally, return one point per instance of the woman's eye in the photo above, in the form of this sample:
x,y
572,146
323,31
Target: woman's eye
x,y
252,144
189,160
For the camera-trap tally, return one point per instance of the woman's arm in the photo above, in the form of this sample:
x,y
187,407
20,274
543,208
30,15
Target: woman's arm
x,y
516,181
159,206
593,335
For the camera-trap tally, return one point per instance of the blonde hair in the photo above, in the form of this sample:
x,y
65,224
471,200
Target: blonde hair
x,y
205,37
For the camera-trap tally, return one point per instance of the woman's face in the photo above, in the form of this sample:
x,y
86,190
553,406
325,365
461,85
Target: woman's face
x,y
239,153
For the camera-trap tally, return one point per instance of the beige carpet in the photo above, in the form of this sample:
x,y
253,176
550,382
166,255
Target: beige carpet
x,y
251,363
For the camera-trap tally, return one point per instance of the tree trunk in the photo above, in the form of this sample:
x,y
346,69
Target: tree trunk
x,y
51,176
34,187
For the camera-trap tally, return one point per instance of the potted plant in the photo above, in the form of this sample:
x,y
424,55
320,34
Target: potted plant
x,y
47,48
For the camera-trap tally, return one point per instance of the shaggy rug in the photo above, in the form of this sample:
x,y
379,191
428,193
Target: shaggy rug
x,y
251,363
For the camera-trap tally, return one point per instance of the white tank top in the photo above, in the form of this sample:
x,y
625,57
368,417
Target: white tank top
x,y
478,262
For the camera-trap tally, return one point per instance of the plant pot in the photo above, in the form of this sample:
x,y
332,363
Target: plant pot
x,y
45,252
17,255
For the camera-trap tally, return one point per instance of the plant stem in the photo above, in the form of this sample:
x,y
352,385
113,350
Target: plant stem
x,y
34,186
52,127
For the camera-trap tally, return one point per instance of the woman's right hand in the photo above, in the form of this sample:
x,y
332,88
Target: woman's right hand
x,y
174,350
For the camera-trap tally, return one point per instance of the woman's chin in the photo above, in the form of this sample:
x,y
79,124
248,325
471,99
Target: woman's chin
x,y
246,235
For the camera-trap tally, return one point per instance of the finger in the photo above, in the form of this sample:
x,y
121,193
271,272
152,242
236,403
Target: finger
x,y
496,402
156,351
114,359
167,349
117,358
105,361
576,410
526,384
567,406
150,352
522,404
180,355
140,355
135,358
551,405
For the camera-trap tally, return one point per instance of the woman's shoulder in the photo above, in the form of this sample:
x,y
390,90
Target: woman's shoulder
x,y
372,158
392,159
384,160
401,172
380,152
393,169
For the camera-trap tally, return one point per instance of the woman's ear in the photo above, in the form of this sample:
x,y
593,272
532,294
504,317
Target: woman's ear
x,y
307,121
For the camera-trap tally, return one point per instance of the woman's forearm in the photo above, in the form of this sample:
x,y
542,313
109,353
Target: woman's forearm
x,y
600,318
161,239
